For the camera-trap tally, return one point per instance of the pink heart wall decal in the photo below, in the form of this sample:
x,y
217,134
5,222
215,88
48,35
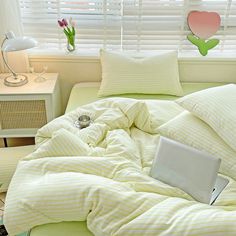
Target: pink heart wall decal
x,y
203,24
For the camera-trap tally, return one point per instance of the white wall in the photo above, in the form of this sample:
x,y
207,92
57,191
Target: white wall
x,y
74,69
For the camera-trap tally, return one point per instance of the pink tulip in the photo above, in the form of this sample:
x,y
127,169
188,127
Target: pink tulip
x,y
61,24
203,24
64,22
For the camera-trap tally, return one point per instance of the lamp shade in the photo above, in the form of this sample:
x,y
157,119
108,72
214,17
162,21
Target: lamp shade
x,y
11,44
18,44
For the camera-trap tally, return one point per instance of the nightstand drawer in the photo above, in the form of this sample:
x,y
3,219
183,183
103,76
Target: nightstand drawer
x,y
22,114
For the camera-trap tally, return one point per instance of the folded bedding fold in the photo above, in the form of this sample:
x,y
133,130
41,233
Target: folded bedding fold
x,y
100,174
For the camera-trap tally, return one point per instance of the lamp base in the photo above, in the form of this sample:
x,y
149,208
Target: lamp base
x,y
15,81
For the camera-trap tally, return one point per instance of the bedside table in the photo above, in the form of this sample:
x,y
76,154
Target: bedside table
x,y
24,109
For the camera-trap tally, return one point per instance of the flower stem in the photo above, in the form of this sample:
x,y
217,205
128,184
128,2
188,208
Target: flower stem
x,y
203,46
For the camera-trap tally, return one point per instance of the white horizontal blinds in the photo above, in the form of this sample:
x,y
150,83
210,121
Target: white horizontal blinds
x,y
98,22
152,24
39,19
130,20
127,24
230,29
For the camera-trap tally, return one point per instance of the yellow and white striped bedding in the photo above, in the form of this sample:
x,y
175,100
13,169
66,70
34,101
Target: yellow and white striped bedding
x,y
188,129
100,174
210,104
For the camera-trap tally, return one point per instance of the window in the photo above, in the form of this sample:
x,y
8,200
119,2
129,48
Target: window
x,y
138,25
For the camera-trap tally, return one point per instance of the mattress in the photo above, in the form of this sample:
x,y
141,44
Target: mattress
x,y
83,93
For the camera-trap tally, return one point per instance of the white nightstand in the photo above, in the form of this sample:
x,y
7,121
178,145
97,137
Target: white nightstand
x,y
26,108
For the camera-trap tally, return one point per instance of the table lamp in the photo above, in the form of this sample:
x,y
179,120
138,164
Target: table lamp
x,y
11,44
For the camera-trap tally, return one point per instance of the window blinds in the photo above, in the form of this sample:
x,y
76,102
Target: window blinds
x,y
139,25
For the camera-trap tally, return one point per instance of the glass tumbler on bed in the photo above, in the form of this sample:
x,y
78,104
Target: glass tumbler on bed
x,y
84,121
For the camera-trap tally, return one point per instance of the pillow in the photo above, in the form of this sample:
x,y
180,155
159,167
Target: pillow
x,y
123,74
188,129
217,107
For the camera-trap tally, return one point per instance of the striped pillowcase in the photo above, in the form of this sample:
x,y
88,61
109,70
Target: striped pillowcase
x,y
188,129
217,107
122,74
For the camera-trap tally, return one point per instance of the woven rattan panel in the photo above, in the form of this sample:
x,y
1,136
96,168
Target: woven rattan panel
x,y
22,114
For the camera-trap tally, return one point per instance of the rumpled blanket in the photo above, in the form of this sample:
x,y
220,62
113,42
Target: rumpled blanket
x,y
101,174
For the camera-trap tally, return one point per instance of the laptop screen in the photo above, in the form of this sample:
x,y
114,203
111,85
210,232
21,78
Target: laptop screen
x,y
187,168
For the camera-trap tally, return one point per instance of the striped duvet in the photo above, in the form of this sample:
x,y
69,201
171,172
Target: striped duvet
x,y
100,174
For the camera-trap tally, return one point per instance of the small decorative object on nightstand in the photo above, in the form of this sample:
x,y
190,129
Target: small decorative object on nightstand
x,y
11,44
23,110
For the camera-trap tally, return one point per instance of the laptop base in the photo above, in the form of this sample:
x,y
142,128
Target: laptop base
x,y
219,187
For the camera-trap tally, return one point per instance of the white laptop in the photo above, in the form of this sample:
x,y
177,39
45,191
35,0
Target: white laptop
x,y
189,169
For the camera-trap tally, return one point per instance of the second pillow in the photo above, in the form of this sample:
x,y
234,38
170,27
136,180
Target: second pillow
x,y
122,74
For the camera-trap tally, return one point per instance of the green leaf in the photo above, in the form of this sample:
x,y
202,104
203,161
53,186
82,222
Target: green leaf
x,y
211,43
69,30
203,46
71,39
200,43
193,39
66,33
73,31
203,49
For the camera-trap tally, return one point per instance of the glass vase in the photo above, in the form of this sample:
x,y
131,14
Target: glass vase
x,y
71,43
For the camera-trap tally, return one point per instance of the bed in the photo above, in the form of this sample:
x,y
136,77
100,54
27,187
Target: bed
x,y
96,179
83,93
